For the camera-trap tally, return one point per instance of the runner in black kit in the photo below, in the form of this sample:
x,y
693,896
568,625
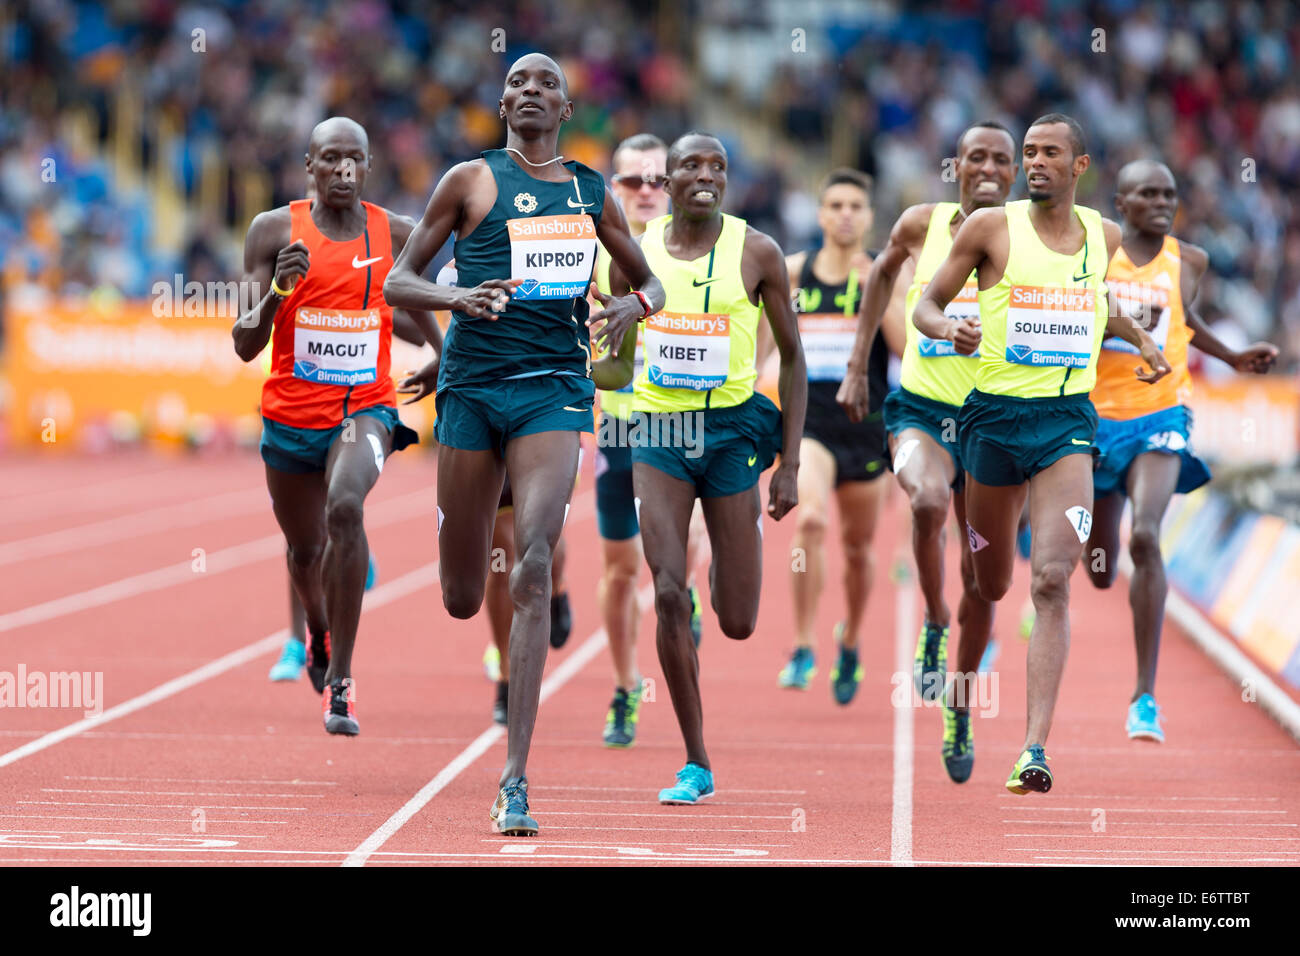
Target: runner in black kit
x,y
837,454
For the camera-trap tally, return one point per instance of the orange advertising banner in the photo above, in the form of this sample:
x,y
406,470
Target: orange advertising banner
x,y
76,374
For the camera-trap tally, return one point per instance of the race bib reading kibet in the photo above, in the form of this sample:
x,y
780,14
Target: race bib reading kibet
x,y
688,350
965,305
1140,299
336,346
554,255
1050,326
827,344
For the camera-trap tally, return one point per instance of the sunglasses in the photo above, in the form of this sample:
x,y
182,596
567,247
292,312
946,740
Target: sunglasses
x,y
633,181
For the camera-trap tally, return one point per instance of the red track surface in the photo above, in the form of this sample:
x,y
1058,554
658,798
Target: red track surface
x,y
230,769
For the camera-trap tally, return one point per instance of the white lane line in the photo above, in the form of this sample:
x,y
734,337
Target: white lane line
x,y
18,831
1112,860
550,787
1089,810
1125,796
571,665
599,844
1150,823
164,518
295,783
146,806
172,819
641,803
676,829
700,812
227,559
185,793
385,593
1132,851
1138,836
900,829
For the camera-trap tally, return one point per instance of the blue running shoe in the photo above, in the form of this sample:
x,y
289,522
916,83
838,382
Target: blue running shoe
x,y
697,616
1144,720
958,744
372,573
694,783
800,671
847,672
990,655
292,660
510,811
1025,541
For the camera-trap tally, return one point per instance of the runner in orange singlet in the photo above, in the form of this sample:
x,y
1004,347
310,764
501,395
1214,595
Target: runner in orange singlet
x,y
329,412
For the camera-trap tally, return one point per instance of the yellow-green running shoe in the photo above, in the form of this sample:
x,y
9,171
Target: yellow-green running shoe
x,y
492,663
931,661
620,722
958,744
847,672
1030,773
697,616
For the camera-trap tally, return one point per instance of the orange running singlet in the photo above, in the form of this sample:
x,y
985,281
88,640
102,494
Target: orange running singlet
x,y
1119,394
333,334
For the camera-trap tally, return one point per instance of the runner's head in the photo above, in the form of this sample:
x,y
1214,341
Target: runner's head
x,y
536,96
844,212
1147,196
986,165
640,180
338,158
1054,156
697,175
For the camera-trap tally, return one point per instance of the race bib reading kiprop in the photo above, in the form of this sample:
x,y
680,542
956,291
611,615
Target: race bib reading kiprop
x,y
827,344
966,305
688,350
554,255
1050,326
336,346
1138,299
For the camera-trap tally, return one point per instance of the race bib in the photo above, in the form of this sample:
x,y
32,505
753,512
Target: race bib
x,y
688,350
827,344
336,346
966,305
1137,299
1050,326
554,255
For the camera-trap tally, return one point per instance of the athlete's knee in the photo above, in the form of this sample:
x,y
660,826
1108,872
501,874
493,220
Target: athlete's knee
x,y
672,599
969,585
462,598
737,624
811,523
1144,545
990,584
1050,584
304,554
343,515
532,573
929,508
857,552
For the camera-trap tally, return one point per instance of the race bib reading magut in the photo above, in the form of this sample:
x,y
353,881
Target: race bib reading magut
x,y
336,346
688,349
554,255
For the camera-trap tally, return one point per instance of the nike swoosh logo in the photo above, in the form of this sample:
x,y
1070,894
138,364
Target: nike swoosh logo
x,y
362,263
1075,441
570,408
580,205
697,283
752,459
1086,275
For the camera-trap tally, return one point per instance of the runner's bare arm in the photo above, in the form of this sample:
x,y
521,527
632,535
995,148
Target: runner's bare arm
x,y
613,370
970,248
416,326
406,287
1257,358
267,253
894,324
622,312
774,296
876,295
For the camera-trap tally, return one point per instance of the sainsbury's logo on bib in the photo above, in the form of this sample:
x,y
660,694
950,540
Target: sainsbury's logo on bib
x,y
554,255
336,346
688,350
1051,326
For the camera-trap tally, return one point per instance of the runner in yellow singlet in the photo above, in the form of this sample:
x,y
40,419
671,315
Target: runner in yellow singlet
x,y
921,420
1027,426
704,432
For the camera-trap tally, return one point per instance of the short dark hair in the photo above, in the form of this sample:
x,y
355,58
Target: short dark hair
x,y
1077,145
676,149
985,124
853,177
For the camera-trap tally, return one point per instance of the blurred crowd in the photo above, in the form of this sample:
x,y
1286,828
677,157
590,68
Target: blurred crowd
x,y
214,102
